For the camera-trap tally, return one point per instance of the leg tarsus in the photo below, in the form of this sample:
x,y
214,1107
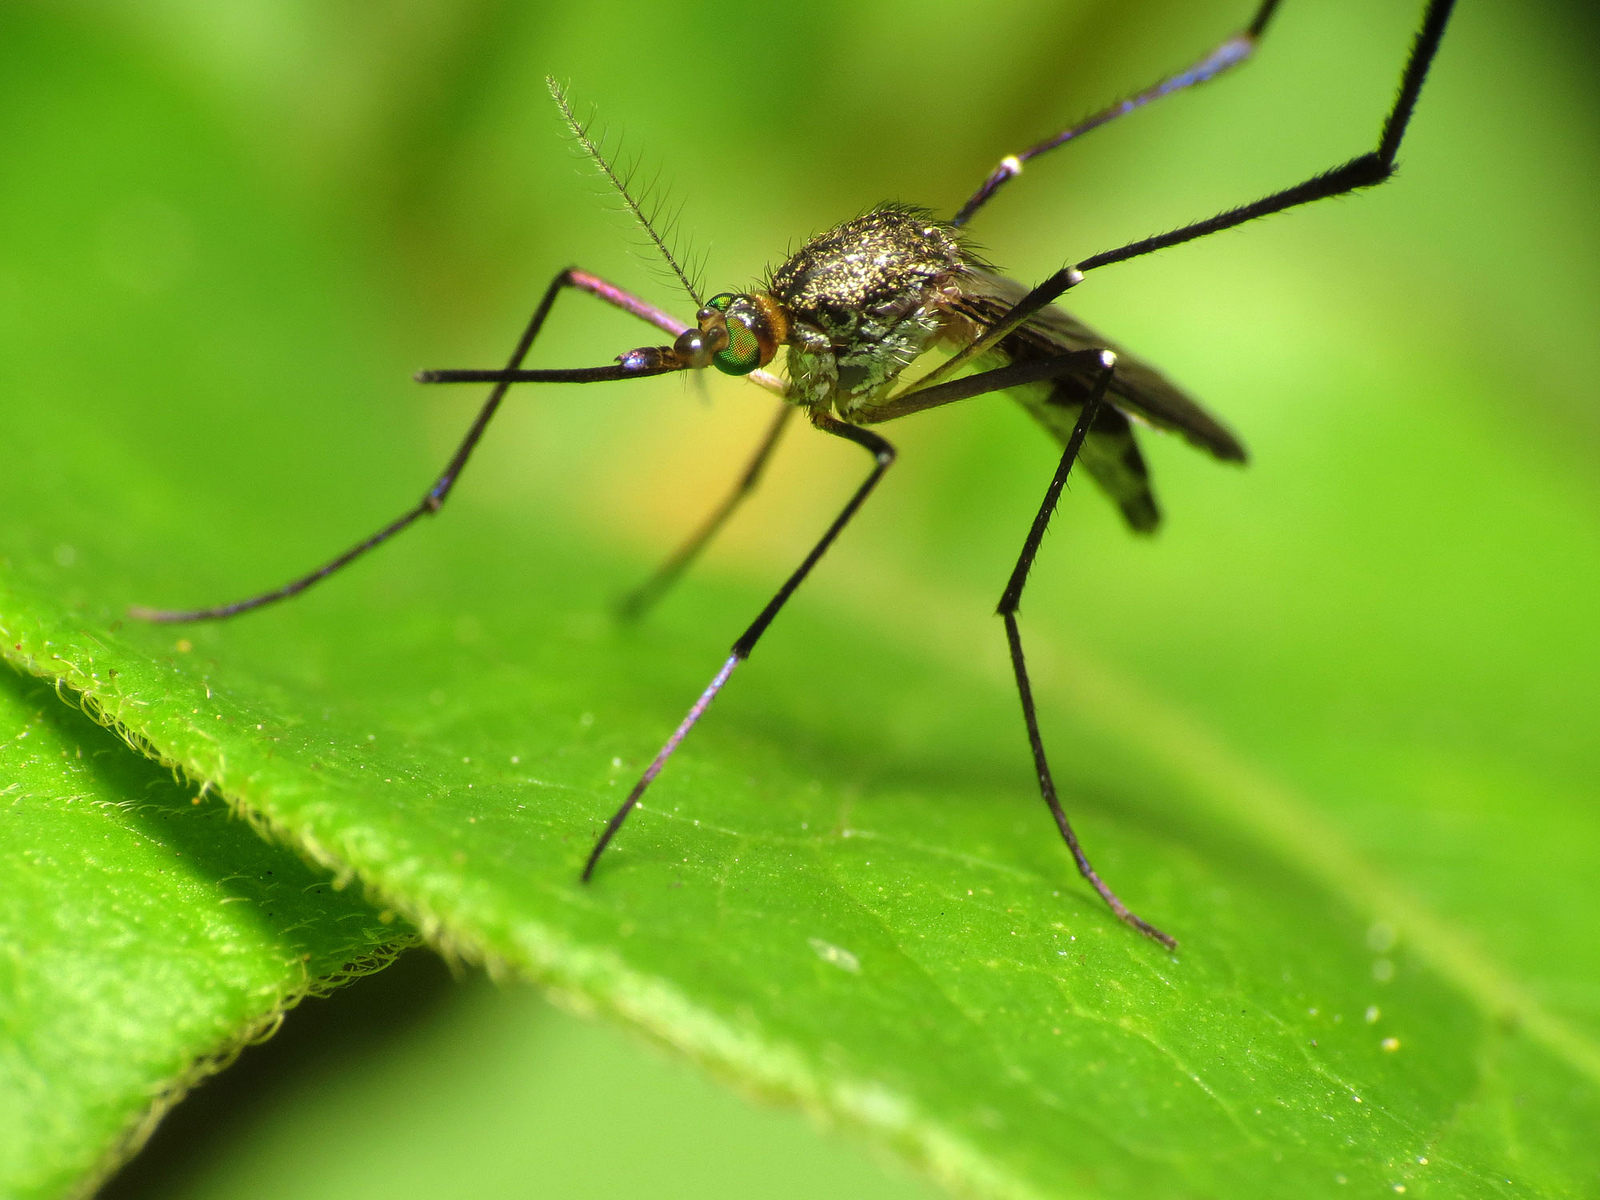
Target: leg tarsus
x,y
883,455
1010,602
433,500
696,711
1047,790
1227,55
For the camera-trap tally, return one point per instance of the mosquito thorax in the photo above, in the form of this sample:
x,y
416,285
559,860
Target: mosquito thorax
x,y
865,299
737,333
882,260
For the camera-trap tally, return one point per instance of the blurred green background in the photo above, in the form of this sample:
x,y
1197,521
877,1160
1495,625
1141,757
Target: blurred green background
x,y
1414,650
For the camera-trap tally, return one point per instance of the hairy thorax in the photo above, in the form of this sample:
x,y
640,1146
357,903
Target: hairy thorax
x,y
865,299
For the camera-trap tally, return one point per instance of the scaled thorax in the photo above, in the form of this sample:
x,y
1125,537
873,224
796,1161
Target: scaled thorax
x,y
855,306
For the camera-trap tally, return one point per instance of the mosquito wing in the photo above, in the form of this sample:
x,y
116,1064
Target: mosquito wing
x,y
1110,453
1136,387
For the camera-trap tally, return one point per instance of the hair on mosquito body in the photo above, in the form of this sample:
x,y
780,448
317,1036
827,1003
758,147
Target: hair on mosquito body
x,y
832,333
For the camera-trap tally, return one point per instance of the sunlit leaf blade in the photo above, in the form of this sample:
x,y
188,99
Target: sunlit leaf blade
x,y
148,935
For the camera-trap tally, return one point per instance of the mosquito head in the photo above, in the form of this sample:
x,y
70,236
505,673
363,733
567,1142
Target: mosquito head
x,y
736,334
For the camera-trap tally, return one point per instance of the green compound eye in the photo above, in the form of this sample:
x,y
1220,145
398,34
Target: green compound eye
x,y
743,352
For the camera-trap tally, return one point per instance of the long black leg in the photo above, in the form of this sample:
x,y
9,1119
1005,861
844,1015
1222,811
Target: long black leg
x,y
1366,170
1017,374
1010,601
435,497
637,602
883,454
1229,54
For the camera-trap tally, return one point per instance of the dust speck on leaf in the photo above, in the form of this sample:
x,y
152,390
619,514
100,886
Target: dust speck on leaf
x,y
837,955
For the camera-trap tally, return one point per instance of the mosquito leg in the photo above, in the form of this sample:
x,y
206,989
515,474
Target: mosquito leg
x,y
1230,53
919,395
1366,170
883,454
1017,374
1010,601
959,389
626,301
639,601
435,497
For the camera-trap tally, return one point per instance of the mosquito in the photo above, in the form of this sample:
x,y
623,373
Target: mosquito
x,y
853,310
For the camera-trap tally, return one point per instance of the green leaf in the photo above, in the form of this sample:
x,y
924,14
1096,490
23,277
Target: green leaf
x,y
415,1083
147,937
1330,730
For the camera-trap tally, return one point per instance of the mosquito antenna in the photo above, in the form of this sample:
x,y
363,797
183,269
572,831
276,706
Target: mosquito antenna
x,y
580,134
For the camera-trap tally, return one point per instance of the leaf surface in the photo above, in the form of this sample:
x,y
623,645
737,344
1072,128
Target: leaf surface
x,y
148,936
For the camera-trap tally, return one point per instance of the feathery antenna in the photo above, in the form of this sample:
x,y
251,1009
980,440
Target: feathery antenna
x,y
580,133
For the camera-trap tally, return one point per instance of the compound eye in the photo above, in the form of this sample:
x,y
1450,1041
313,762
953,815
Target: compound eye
x,y
743,352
